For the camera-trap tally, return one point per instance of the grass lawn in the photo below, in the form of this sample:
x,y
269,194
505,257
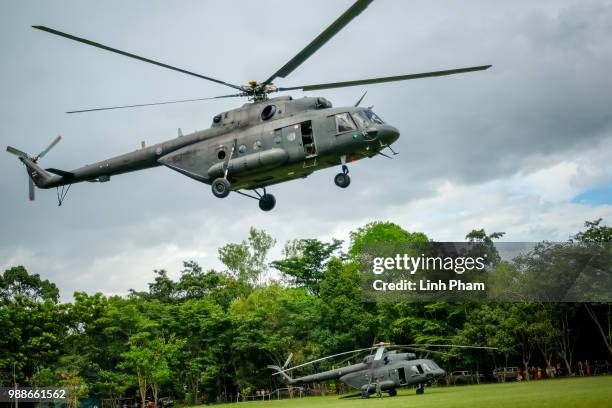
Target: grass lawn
x,y
559,393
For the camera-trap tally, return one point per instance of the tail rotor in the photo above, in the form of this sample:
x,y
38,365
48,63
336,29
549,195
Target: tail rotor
x,y
51,146
22,156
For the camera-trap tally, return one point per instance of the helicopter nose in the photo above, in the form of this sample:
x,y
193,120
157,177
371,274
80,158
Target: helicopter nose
x,y
388,134
439,373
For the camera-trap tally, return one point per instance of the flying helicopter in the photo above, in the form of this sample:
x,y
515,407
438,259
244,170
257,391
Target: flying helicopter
x,y
388,367
268,140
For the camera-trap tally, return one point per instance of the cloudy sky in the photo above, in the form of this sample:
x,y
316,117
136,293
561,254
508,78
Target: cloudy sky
x,y
524,147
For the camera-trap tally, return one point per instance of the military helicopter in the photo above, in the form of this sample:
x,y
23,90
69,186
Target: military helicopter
x,y
264,142
389,368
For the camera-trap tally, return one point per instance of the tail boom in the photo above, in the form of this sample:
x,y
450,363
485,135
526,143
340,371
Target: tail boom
x,y
40,177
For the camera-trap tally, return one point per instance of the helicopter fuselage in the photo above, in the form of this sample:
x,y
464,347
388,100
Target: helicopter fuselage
x,y
268,141
392,371
257,145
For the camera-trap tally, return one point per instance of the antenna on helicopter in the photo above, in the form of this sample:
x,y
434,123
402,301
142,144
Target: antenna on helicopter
x,y
361,99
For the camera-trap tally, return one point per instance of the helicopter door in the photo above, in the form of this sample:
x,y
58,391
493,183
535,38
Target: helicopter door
x,y
402,375
308,143
288,138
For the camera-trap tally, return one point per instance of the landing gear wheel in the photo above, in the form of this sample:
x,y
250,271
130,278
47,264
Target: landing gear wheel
x,y
365,395
267,202
342,180
420,389
393,392
220,188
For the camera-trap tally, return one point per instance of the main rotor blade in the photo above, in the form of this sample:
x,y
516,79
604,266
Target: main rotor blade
x,y
32,190
443,345
53,143
328,357
385,79
422,350
288,361
153,104
16,152
321,39
127,54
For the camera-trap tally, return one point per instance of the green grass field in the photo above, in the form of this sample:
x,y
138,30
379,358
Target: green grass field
x,y
559,393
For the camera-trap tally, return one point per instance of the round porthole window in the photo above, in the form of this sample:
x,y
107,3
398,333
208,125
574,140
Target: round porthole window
x,y
277,139
217,119
268,112
221,154
242,149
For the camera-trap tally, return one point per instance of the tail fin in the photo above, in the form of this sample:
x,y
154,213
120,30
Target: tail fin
x,y
41,178
283,373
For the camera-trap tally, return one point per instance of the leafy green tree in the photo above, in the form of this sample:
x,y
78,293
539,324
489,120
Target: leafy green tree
x,y
595,232
75,385
490,251
268,325
600,314
196,283
17,282
305,262
111,384
148,357
33,330
347,322
202,324
382,232
491,325
247,260
162,288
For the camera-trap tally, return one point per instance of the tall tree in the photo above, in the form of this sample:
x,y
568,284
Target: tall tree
x,y
305,262
382,232
601,314
17,282
247,260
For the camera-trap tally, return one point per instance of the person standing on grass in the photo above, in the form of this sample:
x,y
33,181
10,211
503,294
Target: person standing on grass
x,y
378,389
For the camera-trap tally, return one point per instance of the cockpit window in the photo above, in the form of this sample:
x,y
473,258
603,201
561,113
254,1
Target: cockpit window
x,y
361,119
366,118
373,117
345,123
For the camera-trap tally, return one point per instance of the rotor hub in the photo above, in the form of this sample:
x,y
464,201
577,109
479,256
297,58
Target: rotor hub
x,y
256,91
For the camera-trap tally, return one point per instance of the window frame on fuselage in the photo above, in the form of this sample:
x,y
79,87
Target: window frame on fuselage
x,y
348,115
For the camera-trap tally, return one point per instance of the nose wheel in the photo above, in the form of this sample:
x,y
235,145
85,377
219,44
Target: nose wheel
x,y
343,180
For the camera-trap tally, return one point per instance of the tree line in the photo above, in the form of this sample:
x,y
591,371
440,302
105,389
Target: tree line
x,y
209,334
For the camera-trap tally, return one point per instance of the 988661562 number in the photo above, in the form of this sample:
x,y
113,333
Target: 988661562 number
x,y
32,394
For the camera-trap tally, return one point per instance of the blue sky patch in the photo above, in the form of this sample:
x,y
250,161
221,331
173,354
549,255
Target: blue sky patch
x,y
596,196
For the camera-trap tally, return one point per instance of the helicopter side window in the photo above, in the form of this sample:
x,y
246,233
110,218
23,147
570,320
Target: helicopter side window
x,y
345,123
